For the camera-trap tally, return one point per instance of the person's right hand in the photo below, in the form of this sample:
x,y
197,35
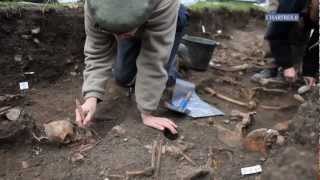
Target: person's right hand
x,y
89,109
290,74
310,81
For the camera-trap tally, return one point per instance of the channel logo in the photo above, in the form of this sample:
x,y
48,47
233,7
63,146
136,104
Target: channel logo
x,y
282,17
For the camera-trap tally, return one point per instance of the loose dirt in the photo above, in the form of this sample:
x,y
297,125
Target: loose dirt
x,y
57,63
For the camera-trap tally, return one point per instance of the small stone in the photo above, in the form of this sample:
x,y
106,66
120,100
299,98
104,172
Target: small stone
x,y
18,58
148,147
312,134
29,73
227,121
76,67
102,173
73,73
69,61
35,30
25,36
13,114
125,139
262,159
280,140
25,164
182,138
118,131
30,58
37,150
36,40
77,157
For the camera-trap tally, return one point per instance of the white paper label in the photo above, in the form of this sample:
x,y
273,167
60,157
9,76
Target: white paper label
x,y
203,29
24,85
251,170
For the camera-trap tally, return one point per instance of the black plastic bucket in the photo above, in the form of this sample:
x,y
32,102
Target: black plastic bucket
x,y
199,51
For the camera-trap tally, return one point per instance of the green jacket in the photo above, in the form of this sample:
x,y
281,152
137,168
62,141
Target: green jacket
x,y
157,40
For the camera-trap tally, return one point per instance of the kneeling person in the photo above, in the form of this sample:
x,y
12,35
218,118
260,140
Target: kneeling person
x,y
142,38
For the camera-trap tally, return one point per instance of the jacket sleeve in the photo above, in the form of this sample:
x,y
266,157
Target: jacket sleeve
x,y
157,42
99,51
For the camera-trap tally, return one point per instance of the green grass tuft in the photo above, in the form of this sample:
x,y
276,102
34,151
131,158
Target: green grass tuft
x,y
19,5
229,5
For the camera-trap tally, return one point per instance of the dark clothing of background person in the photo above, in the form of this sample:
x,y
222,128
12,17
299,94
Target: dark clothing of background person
x,y
290,42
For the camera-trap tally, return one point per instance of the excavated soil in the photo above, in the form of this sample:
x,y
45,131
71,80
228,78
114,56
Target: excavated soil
x,y
55,55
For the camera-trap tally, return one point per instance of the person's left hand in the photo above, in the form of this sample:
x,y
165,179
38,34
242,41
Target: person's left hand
x,y
310,81
159,123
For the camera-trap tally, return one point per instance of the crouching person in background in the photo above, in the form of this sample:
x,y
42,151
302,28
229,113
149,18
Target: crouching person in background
x,y
294,42
138,40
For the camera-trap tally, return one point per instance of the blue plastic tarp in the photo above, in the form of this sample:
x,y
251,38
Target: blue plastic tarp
x,y
196,107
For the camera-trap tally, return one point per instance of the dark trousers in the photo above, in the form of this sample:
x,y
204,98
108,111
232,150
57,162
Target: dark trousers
x,y
125,69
